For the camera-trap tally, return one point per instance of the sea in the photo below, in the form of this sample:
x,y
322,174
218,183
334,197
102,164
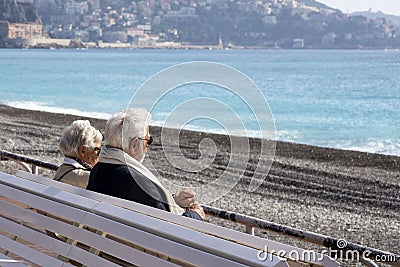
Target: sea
x,y
346,99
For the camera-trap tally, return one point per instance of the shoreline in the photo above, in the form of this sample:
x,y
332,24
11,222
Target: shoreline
x,y
54,44
340,193
104,116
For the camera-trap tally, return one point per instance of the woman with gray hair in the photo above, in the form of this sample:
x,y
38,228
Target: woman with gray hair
x,y
80,144
120,172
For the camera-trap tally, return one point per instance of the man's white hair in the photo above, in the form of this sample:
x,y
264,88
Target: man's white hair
x,y
80,132
125,125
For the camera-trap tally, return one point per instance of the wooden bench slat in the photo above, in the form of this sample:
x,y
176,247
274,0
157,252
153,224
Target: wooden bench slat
x,y
30,216
6,261
210,229
30,254
61,248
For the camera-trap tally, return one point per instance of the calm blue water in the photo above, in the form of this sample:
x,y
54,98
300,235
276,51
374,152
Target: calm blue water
x,y
340,99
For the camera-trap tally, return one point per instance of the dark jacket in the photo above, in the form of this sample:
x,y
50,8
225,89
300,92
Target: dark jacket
x,y
117,181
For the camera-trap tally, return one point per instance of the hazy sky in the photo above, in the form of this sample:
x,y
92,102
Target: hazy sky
x,y
386,6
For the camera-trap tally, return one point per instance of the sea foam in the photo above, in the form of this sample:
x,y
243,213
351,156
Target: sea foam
x,y
39,106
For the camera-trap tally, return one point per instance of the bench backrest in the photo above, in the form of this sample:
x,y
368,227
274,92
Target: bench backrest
x,y
224,233
87,227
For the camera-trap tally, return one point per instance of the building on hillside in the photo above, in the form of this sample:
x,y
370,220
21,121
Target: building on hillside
x,y
184,14
74,8
84,36
269,20
25,30
134,31
64,19
298,43
145,27
140,39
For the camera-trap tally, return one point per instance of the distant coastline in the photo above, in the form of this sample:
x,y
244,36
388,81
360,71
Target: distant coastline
x,y
51,43
74,44
193,25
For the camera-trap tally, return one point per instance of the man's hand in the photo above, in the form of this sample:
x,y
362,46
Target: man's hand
x,y
185,198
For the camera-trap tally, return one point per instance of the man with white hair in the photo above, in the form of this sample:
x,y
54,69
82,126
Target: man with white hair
x,y
120,172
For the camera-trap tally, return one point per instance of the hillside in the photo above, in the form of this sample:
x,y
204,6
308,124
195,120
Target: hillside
x,y
314,24
284,24
14,12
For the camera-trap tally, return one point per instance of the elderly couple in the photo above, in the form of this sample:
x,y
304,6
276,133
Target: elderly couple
x,y
116,169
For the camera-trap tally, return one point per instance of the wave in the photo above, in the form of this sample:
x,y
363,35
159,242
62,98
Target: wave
x,y
385,147
39,106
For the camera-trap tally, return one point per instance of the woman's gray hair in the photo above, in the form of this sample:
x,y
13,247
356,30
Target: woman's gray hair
x,y
125,125
80,132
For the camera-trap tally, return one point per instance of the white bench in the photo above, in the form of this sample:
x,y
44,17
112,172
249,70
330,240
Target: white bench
x,y
132,238
184,241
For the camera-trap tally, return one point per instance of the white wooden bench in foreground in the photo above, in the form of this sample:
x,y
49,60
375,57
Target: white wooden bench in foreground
x,y
98,230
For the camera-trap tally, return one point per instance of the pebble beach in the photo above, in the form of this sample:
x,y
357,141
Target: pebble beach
x,y
339,193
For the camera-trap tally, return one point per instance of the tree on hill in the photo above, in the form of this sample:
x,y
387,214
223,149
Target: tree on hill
x,y
15,12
